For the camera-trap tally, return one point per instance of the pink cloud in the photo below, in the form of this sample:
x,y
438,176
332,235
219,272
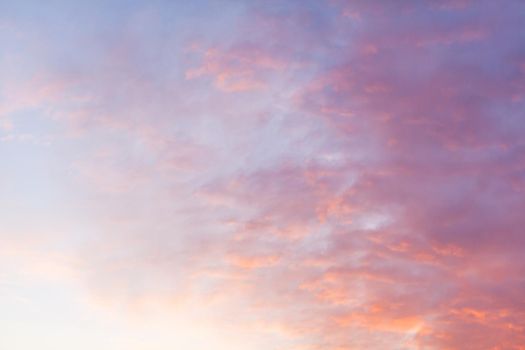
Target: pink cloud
x,y
365,192
240,68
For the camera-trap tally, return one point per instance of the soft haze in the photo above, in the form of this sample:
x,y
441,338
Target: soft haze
x,y
262,175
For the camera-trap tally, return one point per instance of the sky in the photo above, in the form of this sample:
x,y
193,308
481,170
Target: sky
x,y
262,175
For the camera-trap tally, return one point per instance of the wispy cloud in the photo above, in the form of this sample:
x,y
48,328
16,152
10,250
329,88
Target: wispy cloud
x,y
287,175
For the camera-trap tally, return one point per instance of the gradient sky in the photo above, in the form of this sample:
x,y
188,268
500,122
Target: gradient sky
x,y
262,175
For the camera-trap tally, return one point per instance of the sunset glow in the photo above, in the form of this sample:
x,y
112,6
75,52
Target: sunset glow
x,y
262,175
